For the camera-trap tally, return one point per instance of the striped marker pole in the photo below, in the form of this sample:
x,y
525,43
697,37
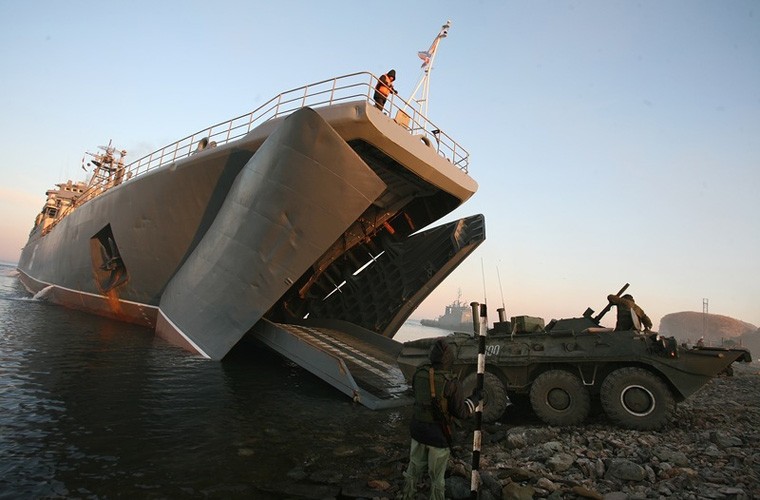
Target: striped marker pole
x,y
476,436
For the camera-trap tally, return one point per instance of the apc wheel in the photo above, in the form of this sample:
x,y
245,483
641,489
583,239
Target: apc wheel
x,y
559,398
636,399
495,399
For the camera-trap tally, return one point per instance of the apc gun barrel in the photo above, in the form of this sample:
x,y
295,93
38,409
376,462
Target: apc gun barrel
x,y
604,311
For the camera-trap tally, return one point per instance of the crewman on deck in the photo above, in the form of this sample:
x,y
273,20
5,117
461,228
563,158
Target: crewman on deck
x,y
383,88
629,315
437,398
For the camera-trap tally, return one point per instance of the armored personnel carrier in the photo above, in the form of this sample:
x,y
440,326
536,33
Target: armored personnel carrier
x,y
565,365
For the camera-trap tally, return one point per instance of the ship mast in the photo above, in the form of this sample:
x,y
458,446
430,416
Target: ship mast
x,y
107,167
428,56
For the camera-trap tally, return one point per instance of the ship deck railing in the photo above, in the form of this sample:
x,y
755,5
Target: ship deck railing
x,y
353,87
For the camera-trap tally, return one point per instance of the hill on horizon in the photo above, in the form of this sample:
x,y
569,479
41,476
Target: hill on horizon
x,y
689,325
720,331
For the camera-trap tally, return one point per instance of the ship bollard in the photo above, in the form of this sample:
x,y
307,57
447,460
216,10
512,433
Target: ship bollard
x,y
477,433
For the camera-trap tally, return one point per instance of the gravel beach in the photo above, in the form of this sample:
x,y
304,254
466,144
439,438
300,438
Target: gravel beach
x,y
710,450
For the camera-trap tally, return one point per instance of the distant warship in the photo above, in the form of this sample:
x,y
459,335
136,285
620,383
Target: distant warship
x,y
457,317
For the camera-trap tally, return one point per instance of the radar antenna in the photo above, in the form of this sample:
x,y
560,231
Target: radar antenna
x,y
428,56
105,163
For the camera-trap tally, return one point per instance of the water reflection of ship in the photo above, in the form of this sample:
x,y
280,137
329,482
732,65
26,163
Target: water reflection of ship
x,y
457,317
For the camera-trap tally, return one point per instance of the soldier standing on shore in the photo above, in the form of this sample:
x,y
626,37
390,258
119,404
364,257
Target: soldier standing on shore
x,y
437,397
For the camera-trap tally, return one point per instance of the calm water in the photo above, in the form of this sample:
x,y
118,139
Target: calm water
x,y
93,408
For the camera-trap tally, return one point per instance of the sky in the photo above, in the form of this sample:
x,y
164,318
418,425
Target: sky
x,y
613,141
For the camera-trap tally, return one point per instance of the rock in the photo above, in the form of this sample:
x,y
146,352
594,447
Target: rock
x,y
675,457
738,492
595,444
516,440
378,484
514,491
724,439
517,474
547,484
490,484
458,488
297,474
347,451
553,446
458,468
651,476
713,451
615,495
487,495
625,470
599,467
560,462
495,437
687,471
586,493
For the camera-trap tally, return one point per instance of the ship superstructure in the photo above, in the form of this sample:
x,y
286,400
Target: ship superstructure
x,y
457,316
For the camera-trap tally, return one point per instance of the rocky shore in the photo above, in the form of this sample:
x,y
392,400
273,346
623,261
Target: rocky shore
x,y
711,450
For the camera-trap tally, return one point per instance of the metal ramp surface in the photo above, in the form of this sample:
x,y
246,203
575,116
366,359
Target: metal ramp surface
x,y
357,362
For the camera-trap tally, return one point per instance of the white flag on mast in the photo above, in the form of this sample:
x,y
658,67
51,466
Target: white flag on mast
x,y
425,56
428,58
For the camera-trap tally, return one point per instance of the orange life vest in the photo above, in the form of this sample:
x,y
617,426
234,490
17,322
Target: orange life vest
x,y
384,85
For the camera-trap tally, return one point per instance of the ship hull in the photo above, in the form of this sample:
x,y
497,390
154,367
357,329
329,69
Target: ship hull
x,y
464,327
263,227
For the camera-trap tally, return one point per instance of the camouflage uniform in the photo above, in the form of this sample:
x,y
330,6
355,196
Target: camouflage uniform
x,y
429,447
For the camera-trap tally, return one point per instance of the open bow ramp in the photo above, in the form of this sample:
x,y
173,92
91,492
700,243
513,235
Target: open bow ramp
x,y
340,342
359,363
